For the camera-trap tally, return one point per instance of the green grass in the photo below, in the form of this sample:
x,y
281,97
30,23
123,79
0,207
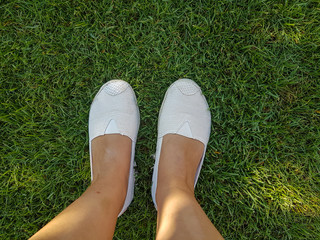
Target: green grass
x,y
257,63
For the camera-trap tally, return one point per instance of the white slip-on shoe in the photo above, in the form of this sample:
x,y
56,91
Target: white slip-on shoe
x,y
114,110
184,111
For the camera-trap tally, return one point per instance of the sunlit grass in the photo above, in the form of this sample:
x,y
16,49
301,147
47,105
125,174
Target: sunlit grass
x,y
257,63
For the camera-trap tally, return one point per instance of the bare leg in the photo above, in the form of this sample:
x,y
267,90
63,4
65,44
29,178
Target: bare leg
x,y
94,214
179,214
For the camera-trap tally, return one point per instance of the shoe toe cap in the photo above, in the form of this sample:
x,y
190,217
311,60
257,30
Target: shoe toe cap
x,y
187,86
115,87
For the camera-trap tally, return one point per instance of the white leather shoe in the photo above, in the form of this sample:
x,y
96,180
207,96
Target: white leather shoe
x,y
184,111
114,110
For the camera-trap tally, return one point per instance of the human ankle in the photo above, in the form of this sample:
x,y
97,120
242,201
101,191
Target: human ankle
x,y
167,192
112,190
167,187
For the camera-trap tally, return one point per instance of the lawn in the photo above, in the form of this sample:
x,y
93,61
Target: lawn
x,y
257,62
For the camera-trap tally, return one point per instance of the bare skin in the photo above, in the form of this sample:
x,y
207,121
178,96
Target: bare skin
x,y
94,214
179,214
